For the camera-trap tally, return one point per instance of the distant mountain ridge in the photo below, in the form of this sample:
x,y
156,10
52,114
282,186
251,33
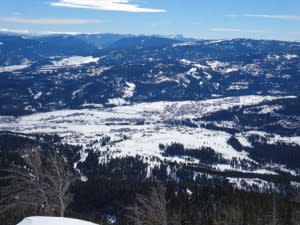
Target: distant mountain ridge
x,y
102,40
36,47
142,42
14,49
64,71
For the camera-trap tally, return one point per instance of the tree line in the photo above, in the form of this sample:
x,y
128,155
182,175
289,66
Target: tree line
x,y
38,178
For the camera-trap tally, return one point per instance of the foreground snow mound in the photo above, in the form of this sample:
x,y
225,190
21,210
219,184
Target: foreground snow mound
x,y
52,221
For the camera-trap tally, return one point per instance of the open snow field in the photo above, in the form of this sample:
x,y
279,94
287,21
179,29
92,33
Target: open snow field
x,y
139,129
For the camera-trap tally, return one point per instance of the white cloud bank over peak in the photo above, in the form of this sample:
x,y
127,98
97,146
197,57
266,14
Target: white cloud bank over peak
x,y
47,21
111,5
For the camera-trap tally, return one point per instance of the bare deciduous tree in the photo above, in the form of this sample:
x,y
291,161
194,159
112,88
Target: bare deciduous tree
x,y
25,186
296,210
60,179
152,209
41,185
274,211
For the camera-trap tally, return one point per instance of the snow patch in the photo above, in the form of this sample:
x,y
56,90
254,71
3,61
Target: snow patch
x,y
75,93
75,61
215,65
185,62
37,95
129,90
189,192
117,102
290,56
243,141
183,44
238,86
92,72
13,68
53,221
248,183
93,105
269,109
215,41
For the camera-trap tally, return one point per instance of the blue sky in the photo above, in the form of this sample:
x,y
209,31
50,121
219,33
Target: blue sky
x,y
213,19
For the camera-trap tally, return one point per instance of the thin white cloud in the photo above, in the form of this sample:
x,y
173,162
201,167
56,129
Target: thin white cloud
x,y
267,16
233,30
276,17
59,32
13,31
44,32
17,13
111,5
47,21
225,30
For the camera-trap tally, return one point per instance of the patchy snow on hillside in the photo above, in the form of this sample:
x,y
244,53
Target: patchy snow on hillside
x,y
216,65
185,62
215,41
129,90
75,93
37,95
117,102
269,109
243,141
247,183
92,72
183,44
227,167
273,57
92,105
75,61
275,138
290,56
53,221
13,68
188,63
238,86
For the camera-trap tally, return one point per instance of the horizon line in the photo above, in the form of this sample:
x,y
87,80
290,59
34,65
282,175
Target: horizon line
x,y
171,36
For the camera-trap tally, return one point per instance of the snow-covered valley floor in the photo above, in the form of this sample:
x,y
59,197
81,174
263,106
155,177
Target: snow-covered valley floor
x,y
139,129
